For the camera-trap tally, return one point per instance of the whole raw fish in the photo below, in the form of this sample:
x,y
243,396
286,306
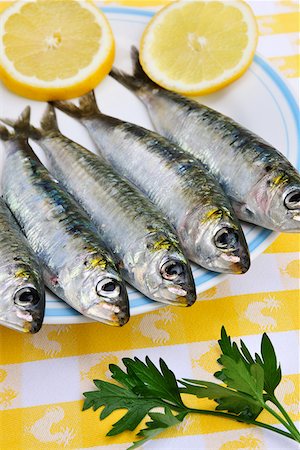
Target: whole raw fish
x,y
263,186
75,264
176,182
146,247
22,296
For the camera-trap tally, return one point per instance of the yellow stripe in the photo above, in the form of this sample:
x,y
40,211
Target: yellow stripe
x,y
288,65
242,315
4,5
278,23
285,243
65,425
62,425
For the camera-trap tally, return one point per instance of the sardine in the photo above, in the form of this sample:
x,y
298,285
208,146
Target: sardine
x,y
76,266
22,296
146,247
176,182
263,186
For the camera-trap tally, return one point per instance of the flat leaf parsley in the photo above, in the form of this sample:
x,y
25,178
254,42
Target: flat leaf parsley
x,y
248,387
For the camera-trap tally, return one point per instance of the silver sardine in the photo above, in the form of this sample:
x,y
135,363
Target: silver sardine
x,y
263,186
145,245
22,296
175,181
75,264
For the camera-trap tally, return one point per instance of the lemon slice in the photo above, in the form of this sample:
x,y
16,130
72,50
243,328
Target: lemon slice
x,y
54,49
197,47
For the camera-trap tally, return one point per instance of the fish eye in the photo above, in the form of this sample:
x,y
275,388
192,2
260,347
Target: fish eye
x,y
108,287
292,200
226,239
170,270
26,296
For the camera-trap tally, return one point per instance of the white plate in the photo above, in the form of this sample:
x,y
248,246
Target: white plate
x,y
260,100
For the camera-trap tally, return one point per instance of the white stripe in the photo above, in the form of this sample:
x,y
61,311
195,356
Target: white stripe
x,y
269,272
271,7
286,44
50,381
58,380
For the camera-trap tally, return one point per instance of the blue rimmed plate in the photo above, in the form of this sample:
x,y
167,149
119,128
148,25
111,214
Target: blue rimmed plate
x,y
260,100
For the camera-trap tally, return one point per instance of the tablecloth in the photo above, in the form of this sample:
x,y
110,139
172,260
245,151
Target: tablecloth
x,y
42,376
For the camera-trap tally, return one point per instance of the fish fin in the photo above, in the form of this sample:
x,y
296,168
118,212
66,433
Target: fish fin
x,y
49,120
87,106
5,135
139,78
21,126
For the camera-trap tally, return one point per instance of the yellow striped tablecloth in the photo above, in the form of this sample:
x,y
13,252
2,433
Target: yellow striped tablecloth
x,y
42,376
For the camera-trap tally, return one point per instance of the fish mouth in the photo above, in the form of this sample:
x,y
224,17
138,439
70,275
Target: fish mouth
x,y
233,251
292,222
179,288
112,309
108,313
242,266
27,324
15,326
178,294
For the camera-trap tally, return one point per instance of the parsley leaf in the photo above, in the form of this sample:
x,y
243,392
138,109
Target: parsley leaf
x,y
152,382
114,397
228,400
143,388
159,422
238,373
268,362
237,376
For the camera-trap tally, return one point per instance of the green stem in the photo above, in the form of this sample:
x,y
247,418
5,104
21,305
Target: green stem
x,y
239,419
281,420
274,400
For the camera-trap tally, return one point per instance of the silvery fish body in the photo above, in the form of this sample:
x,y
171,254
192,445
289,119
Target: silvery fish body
x,y
264,188
22,296
176,182
75,264
147,249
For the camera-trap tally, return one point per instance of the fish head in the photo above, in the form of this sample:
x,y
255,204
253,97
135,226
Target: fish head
x,y
94,286
22,302
166,271
218,241
280,199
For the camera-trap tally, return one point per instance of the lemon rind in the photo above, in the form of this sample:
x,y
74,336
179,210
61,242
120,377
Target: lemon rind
x,y
202,87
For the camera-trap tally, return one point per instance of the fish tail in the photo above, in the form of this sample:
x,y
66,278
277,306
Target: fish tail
x,y
87,107
21,126
134,82
22,123
48,124
49,120
5,135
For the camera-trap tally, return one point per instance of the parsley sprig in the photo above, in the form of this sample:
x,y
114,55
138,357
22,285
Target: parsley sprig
x,y
248,387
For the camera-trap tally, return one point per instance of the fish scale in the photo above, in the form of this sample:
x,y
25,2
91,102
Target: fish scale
x,y
76,265
145,245
176,182
166,166
119,201
262,185
19,273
